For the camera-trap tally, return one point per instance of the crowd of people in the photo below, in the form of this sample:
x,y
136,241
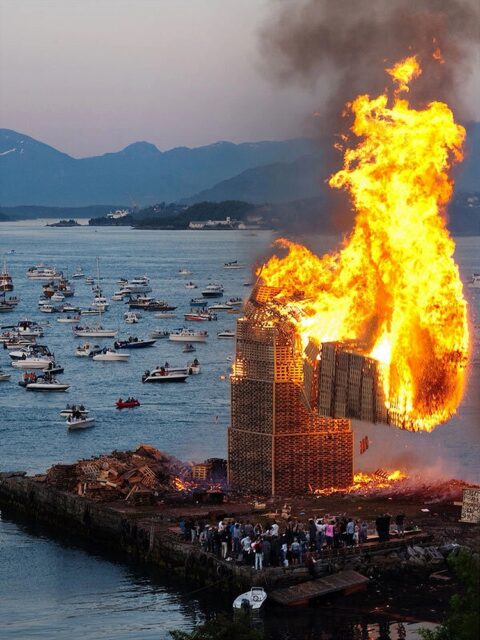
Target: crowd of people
x,y
297,542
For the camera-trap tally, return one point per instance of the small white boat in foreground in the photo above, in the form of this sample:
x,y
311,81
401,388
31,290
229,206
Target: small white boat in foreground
x,y
165,375
44,383
4,376
188,335
74,408
253,599
110,355
81,422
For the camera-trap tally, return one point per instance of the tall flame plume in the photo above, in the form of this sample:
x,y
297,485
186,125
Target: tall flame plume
x,y
394,285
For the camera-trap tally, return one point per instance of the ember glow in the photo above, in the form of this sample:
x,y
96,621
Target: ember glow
x,y
394,286
369,482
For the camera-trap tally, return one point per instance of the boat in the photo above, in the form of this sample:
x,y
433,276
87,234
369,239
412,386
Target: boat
x,y
26,328
118,296
32,362
49,308
130,403
96,331
30,350
43,272
220,307
74,408
190,285
81,422
133,343
474,281
122,281
159,334
6,282
53,368
235,301
137,285
253,599
184,272
247,284
87,350
234,264
65,288
131,317
5,307
188,335
100,302
165,314
198,302
150,304
69,319
201,316
110,355
78,273
57,297
188,348
69,308
46,383
90,311
226,334
89,280
164,375
4,376
213,290
11,300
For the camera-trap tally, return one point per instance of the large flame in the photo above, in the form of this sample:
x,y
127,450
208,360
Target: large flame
x,y
394,285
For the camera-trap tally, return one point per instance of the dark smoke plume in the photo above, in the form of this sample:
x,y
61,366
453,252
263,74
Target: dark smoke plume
x,y
348,44
341,49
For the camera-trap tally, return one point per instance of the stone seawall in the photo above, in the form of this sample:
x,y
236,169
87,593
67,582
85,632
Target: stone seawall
x,y
144,534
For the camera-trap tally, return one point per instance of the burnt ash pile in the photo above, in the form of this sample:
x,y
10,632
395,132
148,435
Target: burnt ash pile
x,y
145,475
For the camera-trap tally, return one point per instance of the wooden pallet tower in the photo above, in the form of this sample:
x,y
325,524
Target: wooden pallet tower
x,y
278,444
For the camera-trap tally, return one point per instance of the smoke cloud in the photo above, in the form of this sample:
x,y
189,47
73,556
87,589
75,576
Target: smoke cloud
x,y
340,49
346,44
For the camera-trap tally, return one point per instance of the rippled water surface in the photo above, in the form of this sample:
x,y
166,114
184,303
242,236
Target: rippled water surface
x,y
49,590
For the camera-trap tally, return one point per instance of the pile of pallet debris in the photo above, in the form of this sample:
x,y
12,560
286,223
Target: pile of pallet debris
x,y
142,476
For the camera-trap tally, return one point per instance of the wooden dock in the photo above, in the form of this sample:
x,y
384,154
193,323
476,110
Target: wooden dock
x,y
346,581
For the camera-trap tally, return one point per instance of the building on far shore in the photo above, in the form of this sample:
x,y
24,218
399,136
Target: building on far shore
x,y
227,223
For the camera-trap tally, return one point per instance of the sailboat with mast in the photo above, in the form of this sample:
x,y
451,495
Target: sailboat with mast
x,y
6,282
95,330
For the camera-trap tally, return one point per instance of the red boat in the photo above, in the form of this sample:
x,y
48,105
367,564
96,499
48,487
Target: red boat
x,y
127,404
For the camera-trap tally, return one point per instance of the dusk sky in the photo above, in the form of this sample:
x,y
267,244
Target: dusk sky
x,y
91,76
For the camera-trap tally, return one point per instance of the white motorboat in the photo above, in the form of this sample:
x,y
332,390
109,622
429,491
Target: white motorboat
x,y
235,302
89,280
74,408
137,285
118,296
213,290
57,297
87,350
200,316
43,272
131,318
226,334
47,384
30,349
220,307
32,362
68,319
165,314
81,422
4,376
188,335
234,264
134,343
158,334
78,273
253,599
96,331
190,285
161,375
110,355
48,308
474,281
90,311
100,302
28,328
184,272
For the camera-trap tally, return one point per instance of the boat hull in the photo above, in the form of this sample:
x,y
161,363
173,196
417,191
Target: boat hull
x,y
42,386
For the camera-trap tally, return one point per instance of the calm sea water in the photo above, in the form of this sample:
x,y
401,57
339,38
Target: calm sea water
x,y
49,590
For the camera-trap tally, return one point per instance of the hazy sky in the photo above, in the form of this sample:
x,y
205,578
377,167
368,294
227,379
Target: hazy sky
x,y
91,76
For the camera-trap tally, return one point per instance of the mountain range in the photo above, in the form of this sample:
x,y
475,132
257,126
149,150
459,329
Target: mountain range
x,y
34,173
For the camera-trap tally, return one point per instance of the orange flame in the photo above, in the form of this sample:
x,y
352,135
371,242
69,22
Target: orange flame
x,y
395,284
